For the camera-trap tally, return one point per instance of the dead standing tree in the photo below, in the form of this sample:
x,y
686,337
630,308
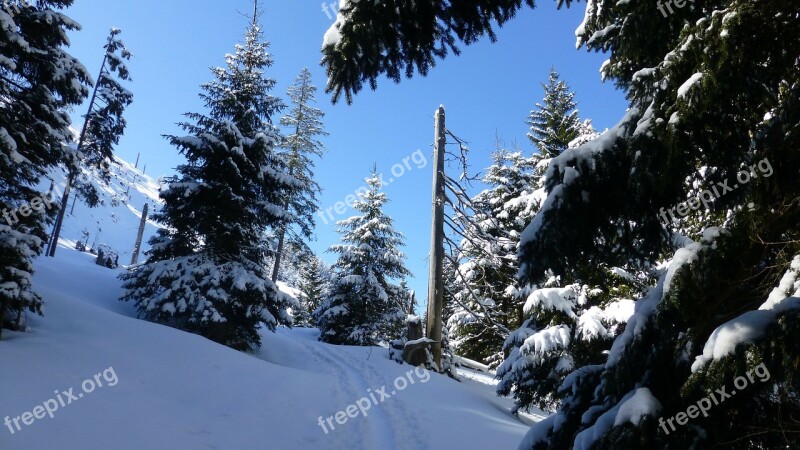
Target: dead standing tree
x,y
453,210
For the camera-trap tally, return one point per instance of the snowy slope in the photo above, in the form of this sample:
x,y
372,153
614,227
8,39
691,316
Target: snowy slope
x,y
115,222
174,390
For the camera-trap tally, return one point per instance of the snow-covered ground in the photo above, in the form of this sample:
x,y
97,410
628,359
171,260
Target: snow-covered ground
x,y
115,222
154,387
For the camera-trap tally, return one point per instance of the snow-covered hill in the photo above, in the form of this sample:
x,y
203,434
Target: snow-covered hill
x,y
112,381
115,222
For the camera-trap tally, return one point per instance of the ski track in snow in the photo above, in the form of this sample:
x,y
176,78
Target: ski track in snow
x,y
381,424
348,394
403,426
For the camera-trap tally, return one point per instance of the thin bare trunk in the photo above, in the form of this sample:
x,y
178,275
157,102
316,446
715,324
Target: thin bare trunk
x,y
275,269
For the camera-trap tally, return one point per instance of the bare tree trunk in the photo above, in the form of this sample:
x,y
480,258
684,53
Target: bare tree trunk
x,y
51,251
138,246
435,277
278,256
3,308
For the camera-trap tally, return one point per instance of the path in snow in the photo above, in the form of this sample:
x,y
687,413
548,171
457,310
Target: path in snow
x,y
179,391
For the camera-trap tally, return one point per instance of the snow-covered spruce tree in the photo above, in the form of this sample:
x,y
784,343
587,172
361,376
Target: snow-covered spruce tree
x,y
301,316
304,128
586,133
563,322
485,305
206,271
39,81
726,302
314,284
567,325
364,305
295,253
555,123
410,297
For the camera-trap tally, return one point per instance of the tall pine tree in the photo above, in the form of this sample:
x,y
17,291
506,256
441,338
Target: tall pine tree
x,y
304,126
39,82
206,270
491,301
365,306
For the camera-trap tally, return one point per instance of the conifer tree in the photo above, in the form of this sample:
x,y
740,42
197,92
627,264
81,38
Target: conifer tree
x,y
410,297
296,253
206,270
554,124
102,128
304,128
39,82
696,127
364,306
485,302
314,284
586,133
491,298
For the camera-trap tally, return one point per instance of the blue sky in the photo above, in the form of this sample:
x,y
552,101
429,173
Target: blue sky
x,y
488,91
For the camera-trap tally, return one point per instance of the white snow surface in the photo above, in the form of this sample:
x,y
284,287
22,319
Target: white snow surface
x,y
180,391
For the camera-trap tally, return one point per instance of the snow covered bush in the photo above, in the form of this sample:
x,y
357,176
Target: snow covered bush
x,y
106,257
